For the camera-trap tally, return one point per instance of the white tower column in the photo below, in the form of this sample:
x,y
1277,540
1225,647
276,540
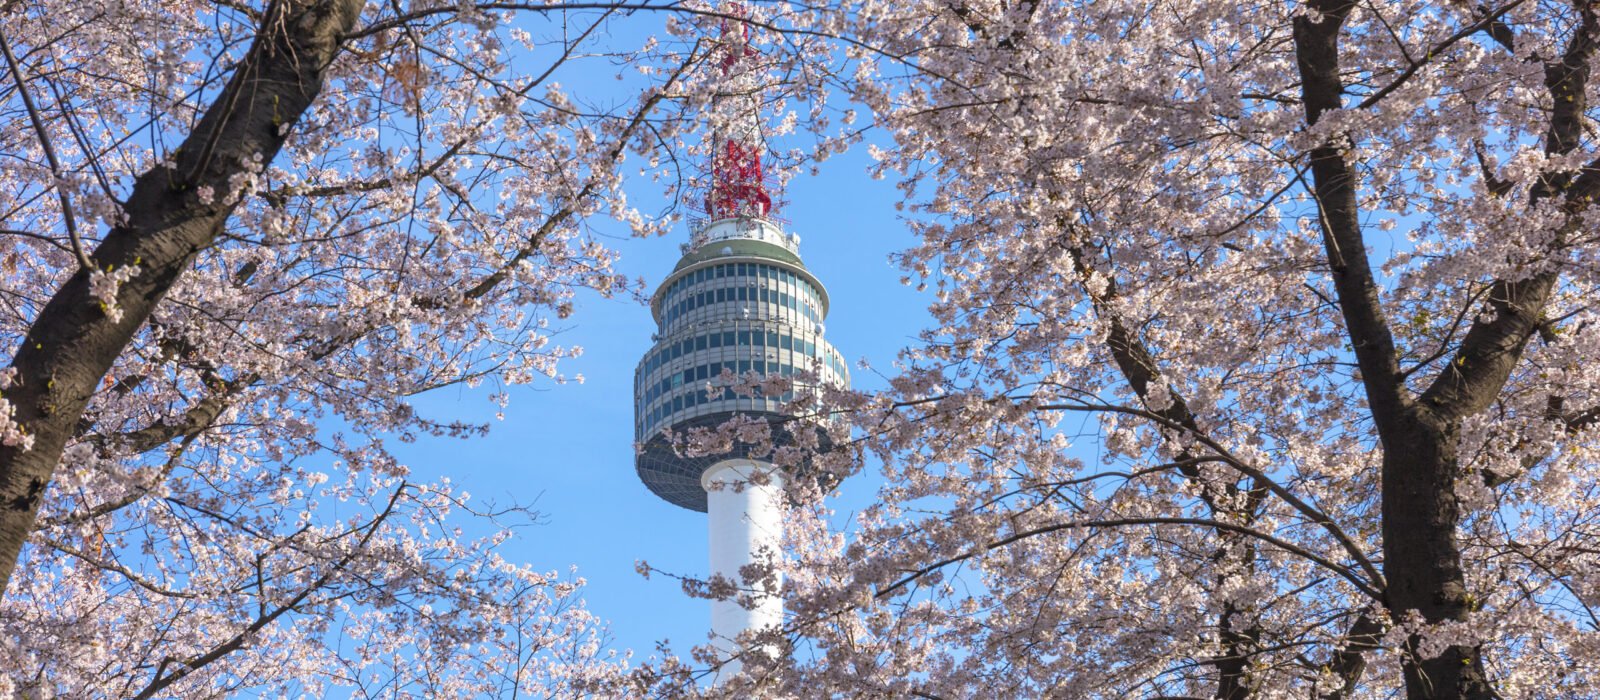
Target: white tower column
x,y
745,518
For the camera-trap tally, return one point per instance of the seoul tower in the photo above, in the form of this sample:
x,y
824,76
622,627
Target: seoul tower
x,y
741,300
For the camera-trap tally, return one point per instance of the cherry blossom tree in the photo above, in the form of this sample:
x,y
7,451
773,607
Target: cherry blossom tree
x,y
1262,366
238,237
1264,361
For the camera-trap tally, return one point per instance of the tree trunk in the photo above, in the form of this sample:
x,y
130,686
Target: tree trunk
x,y
73,342
1239,646
1422,557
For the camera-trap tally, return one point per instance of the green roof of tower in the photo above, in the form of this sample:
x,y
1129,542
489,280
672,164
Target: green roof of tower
x,y
737,247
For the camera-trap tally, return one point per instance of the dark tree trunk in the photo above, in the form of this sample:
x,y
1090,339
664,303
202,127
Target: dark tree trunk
x,y
73,343
1422,557
1238,646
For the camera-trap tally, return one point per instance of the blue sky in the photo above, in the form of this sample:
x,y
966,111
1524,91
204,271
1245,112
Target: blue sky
x,y
568,450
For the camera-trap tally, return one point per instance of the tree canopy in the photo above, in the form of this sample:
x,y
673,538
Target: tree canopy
x,y
1263,363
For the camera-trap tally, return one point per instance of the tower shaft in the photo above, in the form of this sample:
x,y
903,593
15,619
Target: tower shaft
x,y
744,505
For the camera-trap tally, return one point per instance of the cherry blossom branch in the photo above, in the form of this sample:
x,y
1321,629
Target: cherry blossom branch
x,y
50,156
1493,346
402,20
253,14
1576,422
200,415
100,564
1421,512
280,196
1009,41
1310,511
1135,362
1489,20
1445,343
133,495
1532,558
1365,634
488,283
73,341
1056,487
1333,188
1343,572
1138,366
196,419
414,15
1140,370
70,117
238,640
38,237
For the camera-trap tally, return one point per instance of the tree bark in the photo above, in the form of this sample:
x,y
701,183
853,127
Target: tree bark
x,y
73,342
1422,555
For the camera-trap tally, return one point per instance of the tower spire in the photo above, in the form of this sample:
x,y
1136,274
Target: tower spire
x,y
738,184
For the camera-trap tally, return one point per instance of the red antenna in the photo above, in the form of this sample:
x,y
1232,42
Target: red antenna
x,y
738,181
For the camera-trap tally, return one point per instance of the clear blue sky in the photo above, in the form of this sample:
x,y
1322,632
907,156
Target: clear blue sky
x,y
568,448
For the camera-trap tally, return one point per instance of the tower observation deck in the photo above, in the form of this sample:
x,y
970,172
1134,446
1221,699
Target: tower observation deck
x,y
740,299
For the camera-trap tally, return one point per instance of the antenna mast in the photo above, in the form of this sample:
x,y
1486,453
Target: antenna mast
x,y
738,180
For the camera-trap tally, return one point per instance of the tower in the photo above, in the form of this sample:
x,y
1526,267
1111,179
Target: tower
x,y
739,299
